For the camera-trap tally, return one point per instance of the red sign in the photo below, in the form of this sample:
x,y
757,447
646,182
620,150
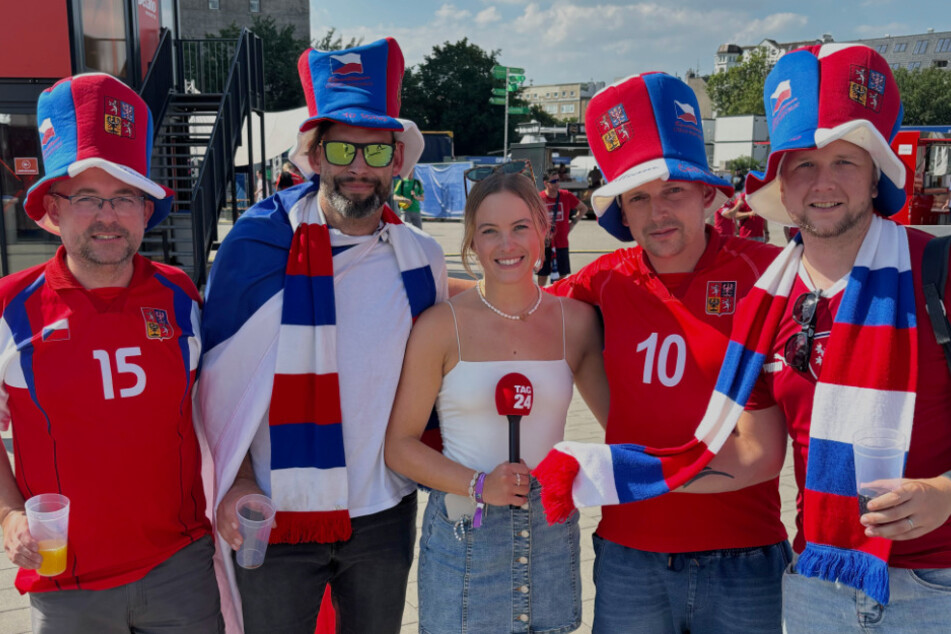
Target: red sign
x,y
26,166
149,27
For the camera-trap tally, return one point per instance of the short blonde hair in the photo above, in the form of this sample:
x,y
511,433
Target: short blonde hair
x,y
517,184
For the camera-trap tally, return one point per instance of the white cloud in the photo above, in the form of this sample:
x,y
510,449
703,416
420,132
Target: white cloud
x,y
488,16
868,31
773,27
579,40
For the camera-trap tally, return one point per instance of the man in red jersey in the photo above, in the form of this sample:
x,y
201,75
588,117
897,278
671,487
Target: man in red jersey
x,y
678,563
565,210
98,353
854,350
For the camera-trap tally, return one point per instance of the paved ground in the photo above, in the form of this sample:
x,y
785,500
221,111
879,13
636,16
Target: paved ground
x,y
588,241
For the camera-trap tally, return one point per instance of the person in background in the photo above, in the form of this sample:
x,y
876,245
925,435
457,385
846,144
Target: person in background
x,y
408,193
565,210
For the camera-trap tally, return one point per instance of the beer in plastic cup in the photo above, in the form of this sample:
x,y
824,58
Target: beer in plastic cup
x,y
255,515
879,455
47,515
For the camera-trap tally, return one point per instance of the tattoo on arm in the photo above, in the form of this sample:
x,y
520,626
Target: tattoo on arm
x,y
707,471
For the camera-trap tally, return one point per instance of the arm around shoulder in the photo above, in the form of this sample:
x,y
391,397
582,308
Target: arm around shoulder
x,y
753,453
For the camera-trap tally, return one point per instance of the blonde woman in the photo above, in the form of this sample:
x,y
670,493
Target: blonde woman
x,y
500,567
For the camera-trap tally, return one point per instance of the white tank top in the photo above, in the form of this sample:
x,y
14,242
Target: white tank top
x,y
473,432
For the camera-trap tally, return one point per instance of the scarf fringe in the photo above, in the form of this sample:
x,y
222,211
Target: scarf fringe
x,y
556,473
854,568
322,527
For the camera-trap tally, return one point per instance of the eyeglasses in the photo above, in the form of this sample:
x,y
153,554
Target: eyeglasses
x,y
481,172
798,348
88,204
343,152
554,180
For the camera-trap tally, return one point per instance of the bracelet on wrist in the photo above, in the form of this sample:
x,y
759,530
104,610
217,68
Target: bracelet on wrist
x,y
472,483
480,502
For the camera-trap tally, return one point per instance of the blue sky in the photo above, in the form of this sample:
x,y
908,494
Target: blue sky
x,y
606,40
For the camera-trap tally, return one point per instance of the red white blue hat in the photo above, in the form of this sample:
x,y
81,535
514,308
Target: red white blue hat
x,y
359,87
644,128
95,120
825,93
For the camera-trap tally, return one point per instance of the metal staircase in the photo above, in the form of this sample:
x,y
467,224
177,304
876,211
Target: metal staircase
x,y
200,100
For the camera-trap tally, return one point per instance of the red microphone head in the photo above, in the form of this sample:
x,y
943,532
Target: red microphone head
x,y
513,395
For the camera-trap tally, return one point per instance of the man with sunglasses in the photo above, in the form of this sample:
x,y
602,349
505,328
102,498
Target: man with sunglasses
x,y
98,356
565,210
310,304
677,563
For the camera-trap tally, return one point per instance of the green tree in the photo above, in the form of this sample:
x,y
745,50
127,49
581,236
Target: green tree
x,y
329,43
924,94
450,90
282,87
739,90
744,164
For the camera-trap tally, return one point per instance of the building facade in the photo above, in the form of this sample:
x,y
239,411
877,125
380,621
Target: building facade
x,y
201,18
730,55
565,102
915,51
918,51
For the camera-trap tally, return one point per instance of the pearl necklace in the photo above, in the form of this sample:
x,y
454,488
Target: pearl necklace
x,y
479,289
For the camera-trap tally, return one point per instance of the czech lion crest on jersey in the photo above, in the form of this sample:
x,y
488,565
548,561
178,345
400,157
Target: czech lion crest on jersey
x,y
157,325
721,298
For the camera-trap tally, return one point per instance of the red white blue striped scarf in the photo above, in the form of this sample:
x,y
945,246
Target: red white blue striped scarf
x,y
308,465
868,379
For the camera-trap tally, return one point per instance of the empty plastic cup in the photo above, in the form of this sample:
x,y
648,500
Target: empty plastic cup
x,y
47,516
879,455
255,515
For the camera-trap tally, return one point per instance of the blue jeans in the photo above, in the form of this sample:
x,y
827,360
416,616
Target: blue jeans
x,y
732,590
512,574
367,576
920,601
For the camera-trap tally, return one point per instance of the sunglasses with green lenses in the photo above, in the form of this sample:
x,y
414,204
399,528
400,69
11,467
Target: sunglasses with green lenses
x,y
481,172
343,152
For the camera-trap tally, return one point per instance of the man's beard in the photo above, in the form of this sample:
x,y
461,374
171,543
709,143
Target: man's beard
x,y
354,209
848,222
87,250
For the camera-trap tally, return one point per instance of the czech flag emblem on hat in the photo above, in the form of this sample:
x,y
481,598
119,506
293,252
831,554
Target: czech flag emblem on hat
x,y
825,93
95,120
360,87
644,128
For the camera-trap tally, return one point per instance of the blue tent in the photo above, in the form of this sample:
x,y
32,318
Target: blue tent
x,y
445,190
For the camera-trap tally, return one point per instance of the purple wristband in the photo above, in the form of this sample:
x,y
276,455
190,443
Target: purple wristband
x,y
480,502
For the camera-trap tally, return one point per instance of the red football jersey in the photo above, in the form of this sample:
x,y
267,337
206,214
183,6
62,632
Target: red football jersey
x,y
664,341
930,452
560,215
98,390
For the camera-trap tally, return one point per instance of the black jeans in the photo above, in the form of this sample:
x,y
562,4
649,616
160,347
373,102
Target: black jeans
x,y
367,576
178,596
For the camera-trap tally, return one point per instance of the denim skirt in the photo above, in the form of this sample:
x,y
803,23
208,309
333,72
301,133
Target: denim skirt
x,y
512,574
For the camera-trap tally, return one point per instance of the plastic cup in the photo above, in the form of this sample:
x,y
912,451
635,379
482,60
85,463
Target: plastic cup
x,y
879,463
255,515
48,518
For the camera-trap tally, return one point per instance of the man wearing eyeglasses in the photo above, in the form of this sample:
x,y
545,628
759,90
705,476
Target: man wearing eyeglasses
x,y
565,210
98,355
310,304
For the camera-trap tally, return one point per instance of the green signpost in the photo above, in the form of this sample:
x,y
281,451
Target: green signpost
x,y
513,77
